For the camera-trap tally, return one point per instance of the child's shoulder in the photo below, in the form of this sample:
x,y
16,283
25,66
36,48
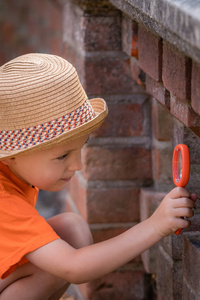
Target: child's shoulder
x,y
12,187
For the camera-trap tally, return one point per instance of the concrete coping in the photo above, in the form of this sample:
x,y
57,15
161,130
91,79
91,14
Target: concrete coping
x,y
177,21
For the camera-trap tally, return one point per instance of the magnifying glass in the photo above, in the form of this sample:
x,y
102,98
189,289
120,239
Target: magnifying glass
x,y
181,167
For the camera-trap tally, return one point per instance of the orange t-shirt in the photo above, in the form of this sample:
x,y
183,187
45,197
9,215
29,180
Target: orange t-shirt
x,y
22,229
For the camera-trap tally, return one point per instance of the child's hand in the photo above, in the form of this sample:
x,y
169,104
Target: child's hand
x,y
169,215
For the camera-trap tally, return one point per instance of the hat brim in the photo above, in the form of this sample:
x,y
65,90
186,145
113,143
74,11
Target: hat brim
x,y
100,109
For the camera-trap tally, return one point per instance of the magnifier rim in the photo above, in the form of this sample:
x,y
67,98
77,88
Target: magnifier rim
x,y
182,182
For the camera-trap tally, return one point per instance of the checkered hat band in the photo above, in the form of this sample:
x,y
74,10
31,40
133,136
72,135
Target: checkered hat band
x,y
21,139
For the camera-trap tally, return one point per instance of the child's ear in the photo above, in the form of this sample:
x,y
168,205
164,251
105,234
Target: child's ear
x,y
8,161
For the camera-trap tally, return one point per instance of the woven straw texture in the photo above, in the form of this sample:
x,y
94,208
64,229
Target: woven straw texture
x,y
42,103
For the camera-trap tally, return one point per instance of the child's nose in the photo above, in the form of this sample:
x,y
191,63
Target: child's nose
x,y
76,163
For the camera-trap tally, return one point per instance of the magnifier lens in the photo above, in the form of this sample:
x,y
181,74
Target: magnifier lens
x,y
179,165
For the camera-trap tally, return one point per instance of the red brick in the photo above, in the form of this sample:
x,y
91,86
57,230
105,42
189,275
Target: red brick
x,y
188,293
76,60
2,58
118,285
158,91
8,31
185,136
162,122
73,25
191,260
183,111
149,201
102,33
91,32
137,73
103,232
176,72
195,89
135,68
129,31
169,276
103,205
159,296
124,119
113,75
112,163
149,259
113,205
151,60
28,27
172,244
162,160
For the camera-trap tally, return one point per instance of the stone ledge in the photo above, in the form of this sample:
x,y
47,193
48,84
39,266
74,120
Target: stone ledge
x,y
177,21
94,6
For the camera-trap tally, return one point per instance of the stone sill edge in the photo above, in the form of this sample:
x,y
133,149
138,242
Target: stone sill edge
x,y
176,21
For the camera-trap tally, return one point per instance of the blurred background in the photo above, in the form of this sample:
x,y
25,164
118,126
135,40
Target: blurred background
x,y
33,26
143,58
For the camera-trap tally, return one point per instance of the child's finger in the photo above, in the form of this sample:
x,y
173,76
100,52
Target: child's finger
x,y
178,192
183,202
193,197
183,223
185,212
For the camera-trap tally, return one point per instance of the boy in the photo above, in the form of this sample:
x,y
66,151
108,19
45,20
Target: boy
x,y
46,119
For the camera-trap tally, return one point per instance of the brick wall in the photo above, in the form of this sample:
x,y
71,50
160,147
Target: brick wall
x,y
29,26
139,134
152,91
171,79
117,159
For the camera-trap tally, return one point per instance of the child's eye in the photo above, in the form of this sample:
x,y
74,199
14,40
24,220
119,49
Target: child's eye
x,y
63,156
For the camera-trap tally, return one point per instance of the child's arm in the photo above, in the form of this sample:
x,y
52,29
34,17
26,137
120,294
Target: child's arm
x,y
94,261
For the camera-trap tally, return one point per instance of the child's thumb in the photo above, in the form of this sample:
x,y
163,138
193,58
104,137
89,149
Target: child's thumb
x,y
178,192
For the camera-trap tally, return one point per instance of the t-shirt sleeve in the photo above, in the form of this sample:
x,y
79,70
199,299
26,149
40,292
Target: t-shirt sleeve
x,y
22,230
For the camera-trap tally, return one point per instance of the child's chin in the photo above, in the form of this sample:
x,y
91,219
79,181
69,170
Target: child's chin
x,y
57,187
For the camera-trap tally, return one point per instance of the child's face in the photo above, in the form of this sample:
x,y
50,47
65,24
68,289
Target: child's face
x,y
49,169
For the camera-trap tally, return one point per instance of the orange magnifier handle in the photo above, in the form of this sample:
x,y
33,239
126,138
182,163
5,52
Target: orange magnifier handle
x,y
181,168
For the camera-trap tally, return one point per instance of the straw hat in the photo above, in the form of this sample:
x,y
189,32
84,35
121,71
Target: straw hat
x,y
42,104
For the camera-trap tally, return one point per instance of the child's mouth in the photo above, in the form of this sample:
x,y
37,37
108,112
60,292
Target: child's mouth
x,y
66,179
